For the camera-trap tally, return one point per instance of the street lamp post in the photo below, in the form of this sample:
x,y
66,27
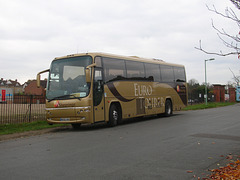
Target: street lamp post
x,y
206,97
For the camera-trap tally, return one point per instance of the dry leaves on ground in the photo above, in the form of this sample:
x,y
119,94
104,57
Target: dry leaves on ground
x,y
230,172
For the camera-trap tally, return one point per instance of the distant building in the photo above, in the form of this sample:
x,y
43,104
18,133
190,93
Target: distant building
x,y
16,87
219,92
32,89
6,95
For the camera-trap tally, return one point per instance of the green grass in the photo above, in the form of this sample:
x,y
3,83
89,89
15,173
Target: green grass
x,y
210,105
23,127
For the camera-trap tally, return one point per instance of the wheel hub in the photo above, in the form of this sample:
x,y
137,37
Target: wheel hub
x,y
115,115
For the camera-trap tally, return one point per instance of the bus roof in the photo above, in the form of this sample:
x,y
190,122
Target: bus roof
x,y
130,58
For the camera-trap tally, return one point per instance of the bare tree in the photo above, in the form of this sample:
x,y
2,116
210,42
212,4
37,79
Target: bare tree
x,y
235,78
230,41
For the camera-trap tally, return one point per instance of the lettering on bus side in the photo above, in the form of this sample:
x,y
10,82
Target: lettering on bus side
x,y
142,90
147,90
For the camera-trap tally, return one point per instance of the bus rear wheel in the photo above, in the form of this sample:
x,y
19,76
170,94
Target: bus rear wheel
x,y
114,116
168,108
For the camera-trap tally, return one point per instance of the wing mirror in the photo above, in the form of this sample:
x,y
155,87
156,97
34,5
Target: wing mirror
x,y
39,77
88,72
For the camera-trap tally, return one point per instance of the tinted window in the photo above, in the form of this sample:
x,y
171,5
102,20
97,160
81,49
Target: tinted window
x,y
114,69
179,74
135,69
167,73
67,77
152,71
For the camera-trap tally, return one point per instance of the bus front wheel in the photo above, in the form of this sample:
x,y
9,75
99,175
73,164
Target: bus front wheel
x,y
168,108
114,116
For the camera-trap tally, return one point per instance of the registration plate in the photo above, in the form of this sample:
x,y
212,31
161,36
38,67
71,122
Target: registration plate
x,y
64,119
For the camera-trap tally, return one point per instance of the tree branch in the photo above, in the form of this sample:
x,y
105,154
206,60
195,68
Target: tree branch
x,y
236,3
214,53
232,41
232,15
224,33
235,78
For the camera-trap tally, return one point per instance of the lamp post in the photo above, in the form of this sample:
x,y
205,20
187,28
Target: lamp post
x,y
206,97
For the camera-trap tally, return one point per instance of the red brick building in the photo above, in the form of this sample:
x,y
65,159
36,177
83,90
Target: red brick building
x,y
32,89
219,92
232,94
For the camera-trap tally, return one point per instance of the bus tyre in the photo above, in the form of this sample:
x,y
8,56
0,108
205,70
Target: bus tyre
x,y
114,116
76,126
168,108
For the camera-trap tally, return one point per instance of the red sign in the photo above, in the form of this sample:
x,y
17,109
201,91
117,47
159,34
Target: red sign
x,y
3,95
56,104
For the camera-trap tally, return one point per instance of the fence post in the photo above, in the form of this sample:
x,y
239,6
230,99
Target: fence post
x,y
30,107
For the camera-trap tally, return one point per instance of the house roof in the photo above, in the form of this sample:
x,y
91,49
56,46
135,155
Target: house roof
x,y
9,83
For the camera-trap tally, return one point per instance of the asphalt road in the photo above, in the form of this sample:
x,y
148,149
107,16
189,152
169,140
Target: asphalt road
x,y
177,147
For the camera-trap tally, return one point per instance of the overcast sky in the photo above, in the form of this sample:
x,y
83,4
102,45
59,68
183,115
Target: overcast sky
x,y
34,32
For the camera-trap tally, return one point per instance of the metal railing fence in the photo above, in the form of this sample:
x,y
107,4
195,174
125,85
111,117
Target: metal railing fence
x,y
22,109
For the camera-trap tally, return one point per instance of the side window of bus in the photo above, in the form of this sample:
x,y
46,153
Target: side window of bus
x,y
179,74
135,70
167,73
152,71
114,69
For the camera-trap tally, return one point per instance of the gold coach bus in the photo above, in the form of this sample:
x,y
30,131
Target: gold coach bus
x,y
100,87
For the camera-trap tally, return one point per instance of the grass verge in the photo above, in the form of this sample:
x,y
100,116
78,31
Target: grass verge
x,y
210,105
23,127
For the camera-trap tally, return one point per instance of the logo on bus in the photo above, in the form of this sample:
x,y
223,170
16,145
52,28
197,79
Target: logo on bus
x,y
147,90
178,88
142,90
56,104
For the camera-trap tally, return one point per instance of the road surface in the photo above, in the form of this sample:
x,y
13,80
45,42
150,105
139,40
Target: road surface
x,y
182,146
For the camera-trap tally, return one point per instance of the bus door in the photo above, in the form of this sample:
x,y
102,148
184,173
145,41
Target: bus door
x,y
98,98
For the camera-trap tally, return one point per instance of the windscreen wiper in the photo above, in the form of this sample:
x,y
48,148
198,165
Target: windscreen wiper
x,y
64,97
